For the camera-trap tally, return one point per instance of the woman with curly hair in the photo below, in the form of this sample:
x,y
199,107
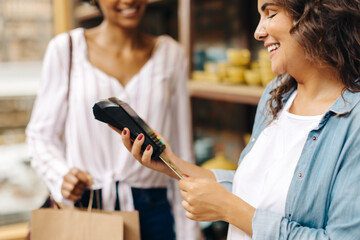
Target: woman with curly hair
x,y
299,177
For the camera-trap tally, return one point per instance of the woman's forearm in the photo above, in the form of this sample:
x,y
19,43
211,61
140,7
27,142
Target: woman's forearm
x,y
239,214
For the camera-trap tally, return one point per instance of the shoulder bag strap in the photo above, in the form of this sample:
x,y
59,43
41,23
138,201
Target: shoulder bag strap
x,y
70,65
69,81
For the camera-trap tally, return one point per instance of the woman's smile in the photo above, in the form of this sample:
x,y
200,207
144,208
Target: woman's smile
x,y
128,12
272,48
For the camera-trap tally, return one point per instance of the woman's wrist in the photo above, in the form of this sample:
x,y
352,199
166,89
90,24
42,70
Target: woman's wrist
x,y
239,213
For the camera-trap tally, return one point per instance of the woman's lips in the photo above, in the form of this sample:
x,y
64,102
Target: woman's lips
x,y
129,12
273,48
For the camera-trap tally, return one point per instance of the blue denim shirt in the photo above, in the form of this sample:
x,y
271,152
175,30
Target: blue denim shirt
x,y
323,201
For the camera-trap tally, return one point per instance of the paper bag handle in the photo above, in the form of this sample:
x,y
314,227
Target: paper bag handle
x,y
91,198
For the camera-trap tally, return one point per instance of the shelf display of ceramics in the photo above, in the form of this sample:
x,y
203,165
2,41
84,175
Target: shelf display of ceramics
x,y
237,69
219,162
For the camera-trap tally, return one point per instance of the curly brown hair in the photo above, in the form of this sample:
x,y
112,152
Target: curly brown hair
x,y
329,32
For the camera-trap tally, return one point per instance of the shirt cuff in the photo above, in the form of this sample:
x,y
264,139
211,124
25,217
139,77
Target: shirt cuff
x,y
224,177
266,225
56,194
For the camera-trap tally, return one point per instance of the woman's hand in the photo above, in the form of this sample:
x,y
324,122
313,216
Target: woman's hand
x,y
207,200
145,157
74,184
204,199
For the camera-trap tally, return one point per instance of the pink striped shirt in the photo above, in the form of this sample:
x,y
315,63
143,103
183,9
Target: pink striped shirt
x,y
157,93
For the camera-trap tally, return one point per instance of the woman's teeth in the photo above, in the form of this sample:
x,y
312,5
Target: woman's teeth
x,y
129,11
273,47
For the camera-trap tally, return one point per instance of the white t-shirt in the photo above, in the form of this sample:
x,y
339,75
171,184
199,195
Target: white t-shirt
x,y
264,176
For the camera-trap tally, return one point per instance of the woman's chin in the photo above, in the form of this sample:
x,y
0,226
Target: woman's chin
x,y
277,71
128,25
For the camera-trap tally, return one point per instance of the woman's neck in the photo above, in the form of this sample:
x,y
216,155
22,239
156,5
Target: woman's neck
x,y
318,89
117,39
317,81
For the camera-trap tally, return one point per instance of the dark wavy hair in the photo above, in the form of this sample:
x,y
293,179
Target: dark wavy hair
x,y
329,32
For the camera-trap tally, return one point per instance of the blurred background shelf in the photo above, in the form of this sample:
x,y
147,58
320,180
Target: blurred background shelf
x,y
26,26
14,231
223,92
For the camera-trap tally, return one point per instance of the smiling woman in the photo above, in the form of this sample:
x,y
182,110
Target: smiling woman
x,y
273,29
74,152
328,34
298,178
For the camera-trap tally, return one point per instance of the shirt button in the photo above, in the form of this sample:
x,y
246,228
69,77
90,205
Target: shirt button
x,y
300,175
314,138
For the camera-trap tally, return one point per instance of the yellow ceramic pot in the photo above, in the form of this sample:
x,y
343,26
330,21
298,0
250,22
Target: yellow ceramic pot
x,y
235,75
252,77
219,162
238,56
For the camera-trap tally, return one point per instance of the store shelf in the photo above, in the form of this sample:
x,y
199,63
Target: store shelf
x,y
230,93
14,231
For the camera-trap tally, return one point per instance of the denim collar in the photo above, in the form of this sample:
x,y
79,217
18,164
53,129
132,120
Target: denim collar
x,y
346,103
342,106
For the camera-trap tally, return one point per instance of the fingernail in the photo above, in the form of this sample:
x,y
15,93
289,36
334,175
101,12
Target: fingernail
x,y
148,147
124,132
185,176
140,136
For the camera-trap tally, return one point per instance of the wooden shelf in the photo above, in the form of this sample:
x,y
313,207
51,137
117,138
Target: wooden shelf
x,y
223,92
14,231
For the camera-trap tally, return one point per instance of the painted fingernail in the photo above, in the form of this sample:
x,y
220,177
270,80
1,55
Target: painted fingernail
x,y
124,132
148,147
185,176
140,137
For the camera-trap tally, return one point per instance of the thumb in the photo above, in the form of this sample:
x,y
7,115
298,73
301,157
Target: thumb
x,y
85,178
185,175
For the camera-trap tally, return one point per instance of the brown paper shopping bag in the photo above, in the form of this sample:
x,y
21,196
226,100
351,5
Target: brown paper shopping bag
x,y
131,223
77,224
72,224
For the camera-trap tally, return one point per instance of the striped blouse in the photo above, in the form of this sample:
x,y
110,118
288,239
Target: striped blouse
x,y
157,93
